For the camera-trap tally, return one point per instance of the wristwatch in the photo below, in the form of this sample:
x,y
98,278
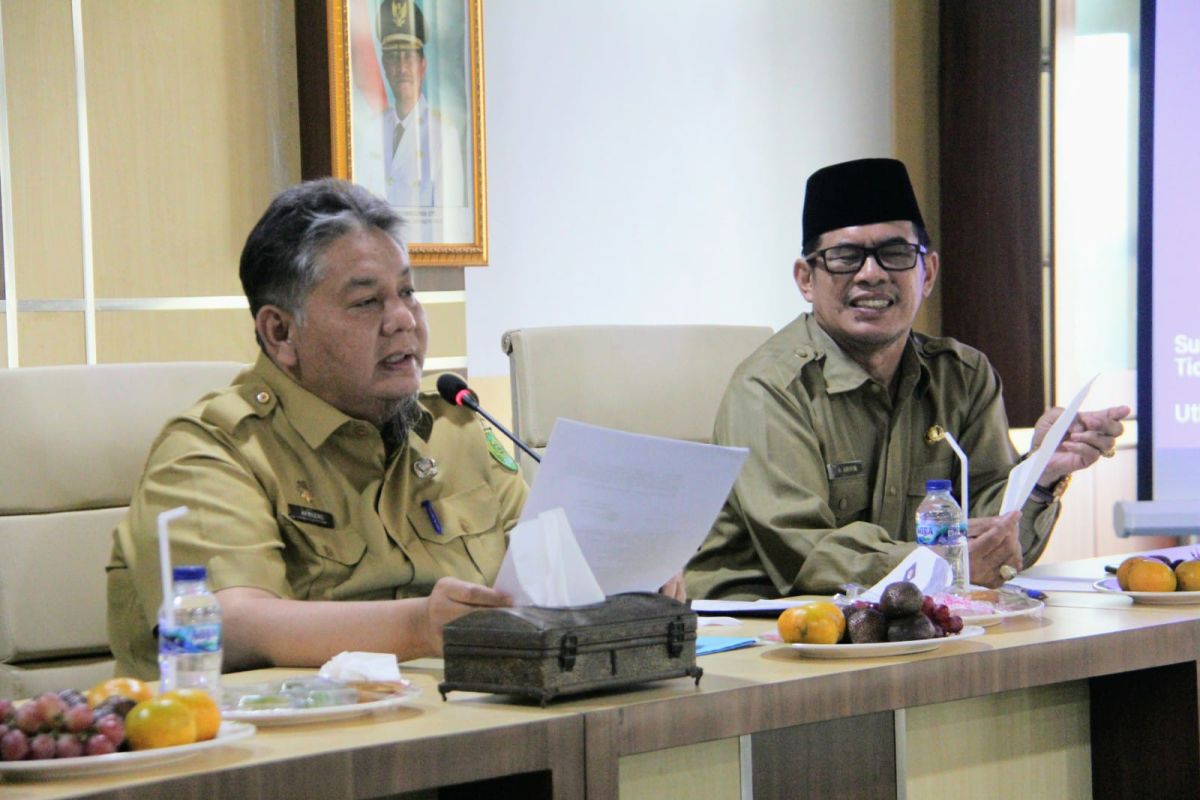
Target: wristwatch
x,y
1047,496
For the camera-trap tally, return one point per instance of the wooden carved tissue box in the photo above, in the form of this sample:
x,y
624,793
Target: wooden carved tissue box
x,y
547,652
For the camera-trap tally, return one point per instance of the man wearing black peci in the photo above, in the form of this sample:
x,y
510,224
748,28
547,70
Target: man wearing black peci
x,y
837,407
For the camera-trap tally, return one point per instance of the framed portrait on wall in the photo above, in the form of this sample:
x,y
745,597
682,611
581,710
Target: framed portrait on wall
x,y
406,97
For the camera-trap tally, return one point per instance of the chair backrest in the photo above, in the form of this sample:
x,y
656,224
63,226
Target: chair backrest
x,y
663,380
73,443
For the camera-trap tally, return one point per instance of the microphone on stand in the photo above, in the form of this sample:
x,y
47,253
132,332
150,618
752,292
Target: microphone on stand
x,y
454,390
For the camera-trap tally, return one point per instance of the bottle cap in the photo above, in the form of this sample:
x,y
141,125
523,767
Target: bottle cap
x,y
189,573
937,485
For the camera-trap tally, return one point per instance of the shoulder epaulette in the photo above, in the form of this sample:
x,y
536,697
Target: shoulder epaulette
x,y
229,406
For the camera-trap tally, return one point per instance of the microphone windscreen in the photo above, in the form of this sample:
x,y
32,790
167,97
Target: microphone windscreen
x,y
449,385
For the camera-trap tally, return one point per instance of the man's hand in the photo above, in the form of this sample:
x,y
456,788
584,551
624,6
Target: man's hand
x,y
675,588
450,599
993,543
1091,435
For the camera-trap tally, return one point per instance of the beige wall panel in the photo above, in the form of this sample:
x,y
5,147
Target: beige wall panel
x,y
194,127
915,110
3,341
51,338
694,772
447,329
220,335
43,149
1029,743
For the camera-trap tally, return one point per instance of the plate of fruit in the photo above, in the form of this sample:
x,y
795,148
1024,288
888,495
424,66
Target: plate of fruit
x,y
904,621
117,725
986,607
1155,580
297,701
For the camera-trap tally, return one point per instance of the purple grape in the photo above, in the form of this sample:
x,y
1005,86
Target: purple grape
x,y
78,718
98,745
42,747
72,697
955,624
28,718
52,706
6,709
111,727
14,746
68,745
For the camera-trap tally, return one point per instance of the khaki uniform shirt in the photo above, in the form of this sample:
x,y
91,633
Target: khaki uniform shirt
x,y
837,467
286,493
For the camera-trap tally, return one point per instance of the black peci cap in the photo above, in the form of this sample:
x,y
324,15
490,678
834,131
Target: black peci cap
x,y
401,25
860,192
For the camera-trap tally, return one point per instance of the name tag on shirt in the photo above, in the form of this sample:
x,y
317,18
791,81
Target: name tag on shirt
x,y
845,469
310,515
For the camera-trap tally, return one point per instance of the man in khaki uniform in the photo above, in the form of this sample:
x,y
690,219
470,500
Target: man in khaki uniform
x,y
838,406
321,474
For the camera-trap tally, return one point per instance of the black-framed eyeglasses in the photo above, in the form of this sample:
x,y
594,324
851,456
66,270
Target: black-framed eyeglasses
x,y
846,259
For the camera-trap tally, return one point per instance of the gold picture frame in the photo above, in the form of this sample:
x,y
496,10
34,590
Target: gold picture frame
x,y
437,177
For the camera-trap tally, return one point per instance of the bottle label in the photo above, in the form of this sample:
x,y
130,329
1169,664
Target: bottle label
x,y
933,533
185,639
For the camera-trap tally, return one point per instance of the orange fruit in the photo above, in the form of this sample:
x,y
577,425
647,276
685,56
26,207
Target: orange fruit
x,y
813,623
792,624
203,708
160,722
1188,575
1151,575
135,690
1123,571
826,623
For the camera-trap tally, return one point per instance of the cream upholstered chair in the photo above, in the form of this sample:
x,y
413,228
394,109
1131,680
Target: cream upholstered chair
x,y
663,380
73,442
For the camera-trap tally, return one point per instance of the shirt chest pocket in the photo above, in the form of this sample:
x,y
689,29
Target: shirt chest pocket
x,y
942,469
325,556
849,499
340,546
463,523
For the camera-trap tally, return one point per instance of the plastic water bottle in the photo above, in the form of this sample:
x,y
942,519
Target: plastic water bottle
x,y
189,635
940,525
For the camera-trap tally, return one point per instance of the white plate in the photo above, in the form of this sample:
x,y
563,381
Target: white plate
x,y
228,733
303,716
996,617
1111,586
882,648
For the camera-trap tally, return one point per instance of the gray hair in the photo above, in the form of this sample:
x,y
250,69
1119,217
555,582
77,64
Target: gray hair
x,y
281,261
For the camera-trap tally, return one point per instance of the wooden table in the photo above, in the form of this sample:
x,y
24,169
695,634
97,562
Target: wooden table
x,y
838,724
422,745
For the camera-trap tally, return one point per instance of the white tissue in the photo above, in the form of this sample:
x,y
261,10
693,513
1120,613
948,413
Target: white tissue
x,y
923,567
545,567
354,666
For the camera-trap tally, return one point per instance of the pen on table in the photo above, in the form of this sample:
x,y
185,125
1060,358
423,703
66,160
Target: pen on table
x,y
1032,593
433,517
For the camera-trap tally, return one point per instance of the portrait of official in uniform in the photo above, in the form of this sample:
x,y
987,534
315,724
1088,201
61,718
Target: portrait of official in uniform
x,y
414,106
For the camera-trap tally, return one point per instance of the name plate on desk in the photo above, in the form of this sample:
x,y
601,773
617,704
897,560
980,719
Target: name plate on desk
x,y
543,653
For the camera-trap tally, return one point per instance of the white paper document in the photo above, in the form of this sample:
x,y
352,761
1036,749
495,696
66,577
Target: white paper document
x,y
639,506
1023,476
762,608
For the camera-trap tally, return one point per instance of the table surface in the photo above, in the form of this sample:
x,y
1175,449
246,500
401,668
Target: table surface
x,y
1078,635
